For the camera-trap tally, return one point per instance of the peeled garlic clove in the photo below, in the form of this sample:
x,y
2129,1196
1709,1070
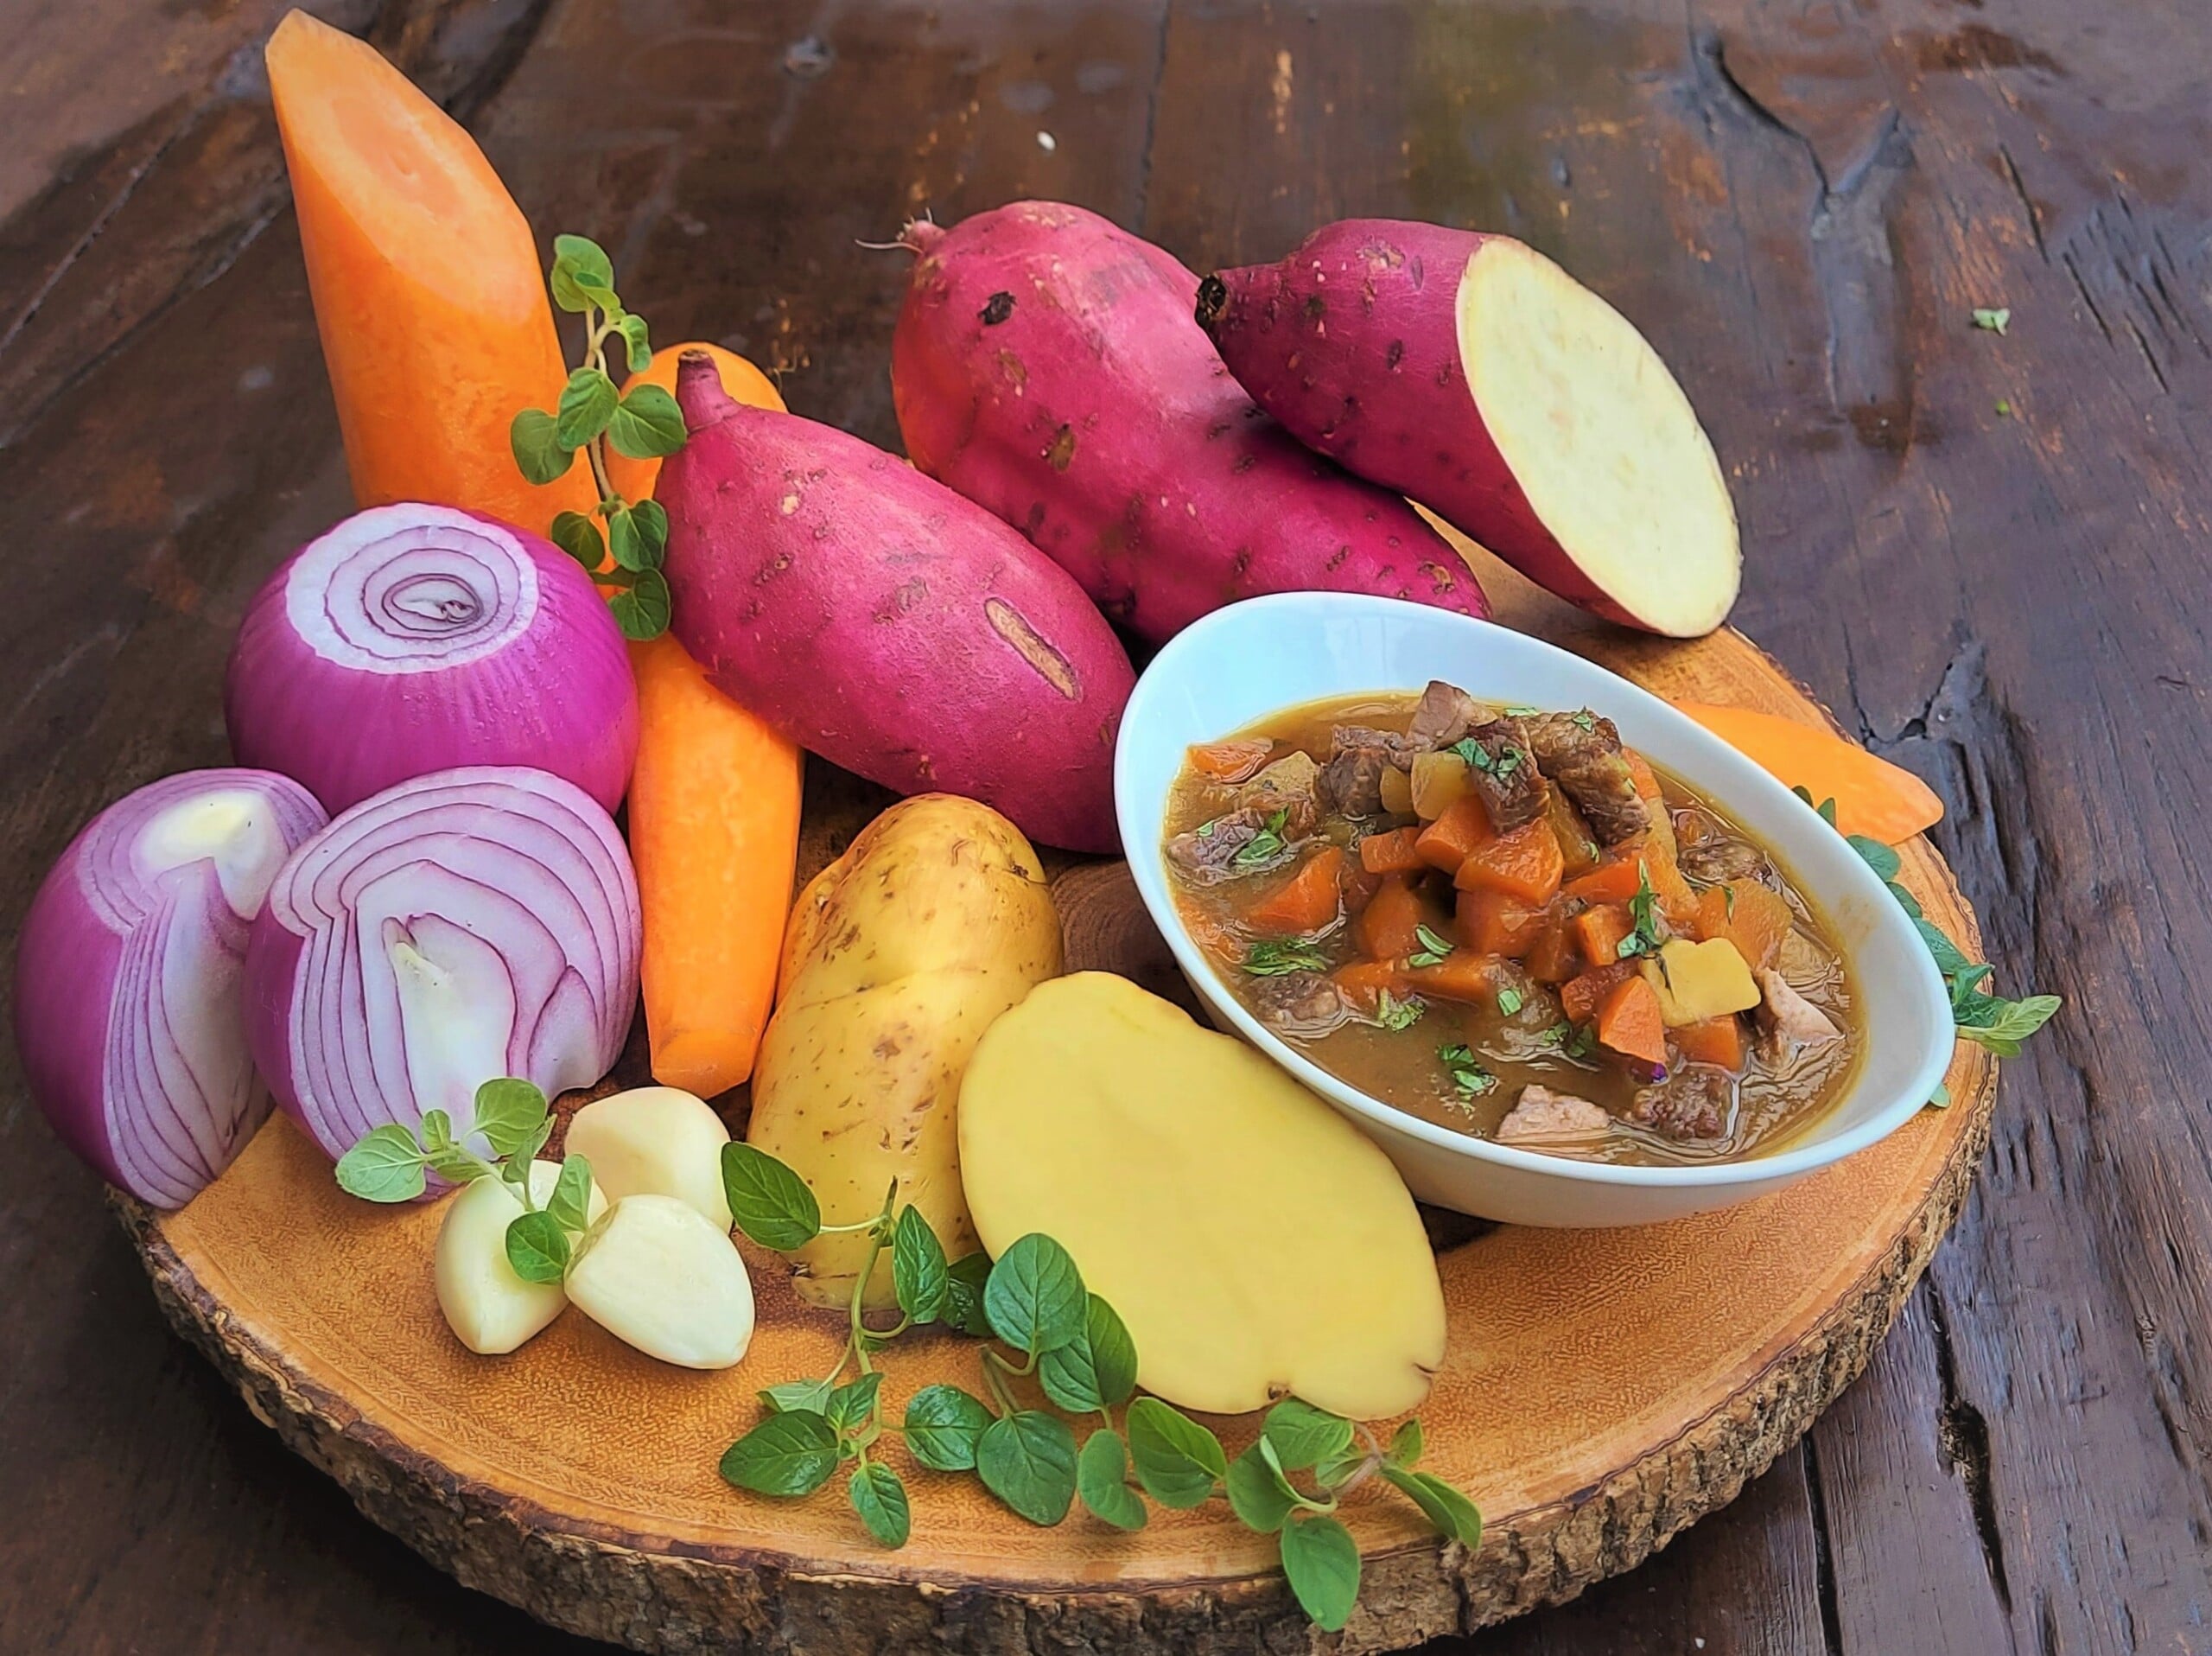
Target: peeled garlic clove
x,y
489,1308
658,1141
657,1274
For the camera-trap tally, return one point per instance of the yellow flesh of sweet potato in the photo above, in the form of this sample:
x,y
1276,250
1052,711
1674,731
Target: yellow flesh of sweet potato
x,y
898,955
1254,1242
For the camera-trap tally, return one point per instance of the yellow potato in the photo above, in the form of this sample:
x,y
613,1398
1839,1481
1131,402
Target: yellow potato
x,y
898,957
1253,1240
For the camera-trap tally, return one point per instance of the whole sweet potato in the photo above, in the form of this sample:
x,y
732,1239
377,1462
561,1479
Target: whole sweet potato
x,y
1473,374
1047,367
880,620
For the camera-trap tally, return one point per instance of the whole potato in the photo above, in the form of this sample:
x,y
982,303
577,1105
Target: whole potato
x,y
898,957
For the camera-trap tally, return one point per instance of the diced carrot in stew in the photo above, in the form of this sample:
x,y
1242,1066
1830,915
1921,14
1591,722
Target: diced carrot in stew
x,y
1677,900
1446,843
1612,882
1600,931
1388,928
1582,996
1305,902
1396,852
1577,846
1753,917
1366,982
1647,779
1230,761
1492,923
1462,974
1552,957
1718,1042
1525,863
1629,1022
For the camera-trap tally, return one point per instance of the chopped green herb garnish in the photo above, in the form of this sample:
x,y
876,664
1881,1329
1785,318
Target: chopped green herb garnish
x,y
1728,899
1993,319
1205,830
1433,948
1265,844
1476,755
1826,807
1509,1001
1393,1014
1644,909
1271,958
1585,721
1467,1073
1572,1041
1509,760
1522,712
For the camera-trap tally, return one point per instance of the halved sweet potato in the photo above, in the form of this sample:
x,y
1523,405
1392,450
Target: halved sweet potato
x,y
1471,373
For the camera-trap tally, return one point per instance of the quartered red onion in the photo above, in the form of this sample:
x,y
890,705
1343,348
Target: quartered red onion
x,y
129,971
413,638
461,926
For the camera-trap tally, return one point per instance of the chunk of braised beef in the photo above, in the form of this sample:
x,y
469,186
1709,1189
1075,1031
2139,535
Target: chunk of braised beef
x,y
1351,782
1444,714
1291,783
1504,775
1540,1115
1209,849
1787,1020
1582,754
1711,862
1694,1103
1306,1004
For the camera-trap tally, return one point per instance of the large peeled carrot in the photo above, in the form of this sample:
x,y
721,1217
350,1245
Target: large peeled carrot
x,y
1873,797
714,831
428,291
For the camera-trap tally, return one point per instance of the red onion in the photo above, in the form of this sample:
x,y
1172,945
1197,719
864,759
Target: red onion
x,y
128,976
461,926
412,639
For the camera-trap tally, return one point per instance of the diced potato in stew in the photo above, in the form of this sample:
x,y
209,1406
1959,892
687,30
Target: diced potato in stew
x,y
1502,919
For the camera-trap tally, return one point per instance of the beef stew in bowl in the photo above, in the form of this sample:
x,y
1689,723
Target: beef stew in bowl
x,y
1501,919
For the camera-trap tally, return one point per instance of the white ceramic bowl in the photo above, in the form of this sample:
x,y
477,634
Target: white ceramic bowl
x,y
1254,658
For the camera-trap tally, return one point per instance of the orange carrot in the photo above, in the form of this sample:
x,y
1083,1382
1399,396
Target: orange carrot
x,y
1396,852
428,292
1305,902
1718,1041
1491,922
714,831
1446,841
1367,981
633,478
1525,863
1582,996
1753,917
1600,929
1647,779
1629,1022
1460,976
1613,881
1385,928
1873,797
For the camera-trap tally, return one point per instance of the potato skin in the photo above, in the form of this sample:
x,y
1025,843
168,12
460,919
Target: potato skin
x,y
1352,342
898,957
1045,365
878,619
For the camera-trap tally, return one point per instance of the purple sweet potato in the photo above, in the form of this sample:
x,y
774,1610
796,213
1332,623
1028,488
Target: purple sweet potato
x,y
880,620
1471,373
1047,365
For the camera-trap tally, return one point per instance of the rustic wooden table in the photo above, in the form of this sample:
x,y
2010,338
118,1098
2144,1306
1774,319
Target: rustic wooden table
x,y
1987,552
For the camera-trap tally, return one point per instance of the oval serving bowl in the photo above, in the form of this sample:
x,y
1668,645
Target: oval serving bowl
x,y
1257,658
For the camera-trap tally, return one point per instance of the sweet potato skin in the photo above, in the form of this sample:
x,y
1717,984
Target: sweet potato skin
x,y
880,619
1045,365
1352,342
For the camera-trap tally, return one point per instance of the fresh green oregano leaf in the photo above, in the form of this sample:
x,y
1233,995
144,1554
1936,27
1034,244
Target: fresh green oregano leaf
x,y
963,1294
583,276
578,536
386,1165
770,1202
811,1396
646,424
509,1112
571,1202
851,1404
917,1267
943,1424
1028,1460
1259,1493
881,1499
1102,1478
1035,1297
1449,1513
1303,1435
533,438
1178,1461
538,1248
641,609
587,403
1406,1444
1322,1562
789,1453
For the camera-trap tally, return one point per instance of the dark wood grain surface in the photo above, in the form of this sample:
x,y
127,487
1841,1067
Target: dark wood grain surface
x,y
1990,554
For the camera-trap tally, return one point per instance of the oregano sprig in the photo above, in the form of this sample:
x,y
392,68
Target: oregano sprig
x,y
592,414
1046,1333
1988,1020
390,1164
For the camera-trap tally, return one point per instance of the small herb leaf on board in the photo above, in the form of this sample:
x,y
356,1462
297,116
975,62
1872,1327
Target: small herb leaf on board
x,y
881,1499
1259,1493
1028,1460
770,1202
943,1423
1178,1461
810,1396
1303,1435
919,1277
851,1404
1322,1562
789,1453
386,1165
964,1295
1035,1297
1102,1478
1449,1513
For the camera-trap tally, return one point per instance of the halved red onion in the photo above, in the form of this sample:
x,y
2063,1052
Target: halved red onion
x,y
461,926
128,971
413,638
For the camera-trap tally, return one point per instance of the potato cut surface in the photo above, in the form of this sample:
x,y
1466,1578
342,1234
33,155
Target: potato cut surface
x,y
1255,1244
1601,439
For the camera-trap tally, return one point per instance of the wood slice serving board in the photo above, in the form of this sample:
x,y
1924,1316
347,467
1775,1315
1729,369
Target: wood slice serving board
x,y
1603,1389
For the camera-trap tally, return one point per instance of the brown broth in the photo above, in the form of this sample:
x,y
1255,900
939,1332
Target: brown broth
x,y
1771,1100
